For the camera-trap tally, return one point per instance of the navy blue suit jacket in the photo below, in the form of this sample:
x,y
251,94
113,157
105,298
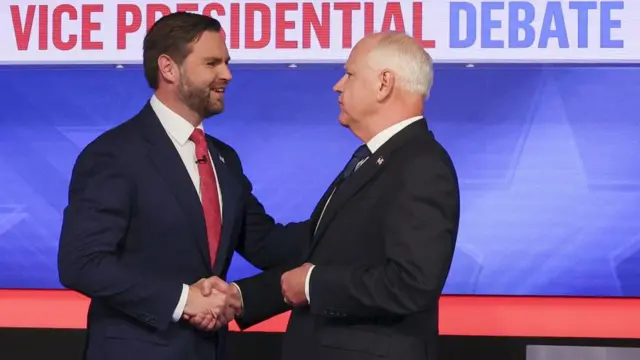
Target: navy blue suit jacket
x,y
134,232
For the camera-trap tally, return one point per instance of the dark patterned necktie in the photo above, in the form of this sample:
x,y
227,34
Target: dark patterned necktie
x,y
360,154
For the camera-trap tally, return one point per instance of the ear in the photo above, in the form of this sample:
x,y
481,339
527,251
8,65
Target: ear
x,y
168,69
387,81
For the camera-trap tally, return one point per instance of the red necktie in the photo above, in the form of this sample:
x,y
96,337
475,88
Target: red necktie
x,y
208,193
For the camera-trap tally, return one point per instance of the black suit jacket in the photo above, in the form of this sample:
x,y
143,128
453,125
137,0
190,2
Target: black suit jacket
x,y
382,250
134,232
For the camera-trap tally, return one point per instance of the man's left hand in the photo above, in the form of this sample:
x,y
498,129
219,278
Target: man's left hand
x,y
293,285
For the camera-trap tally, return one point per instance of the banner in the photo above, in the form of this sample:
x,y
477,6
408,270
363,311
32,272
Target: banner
x,y
76,31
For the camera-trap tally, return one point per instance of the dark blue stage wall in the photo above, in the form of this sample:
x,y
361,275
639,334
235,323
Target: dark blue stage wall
x,y
548,158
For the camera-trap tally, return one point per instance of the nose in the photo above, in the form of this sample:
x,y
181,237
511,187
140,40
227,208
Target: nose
x,y
339,85
226,73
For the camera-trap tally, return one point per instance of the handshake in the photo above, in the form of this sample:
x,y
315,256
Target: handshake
x,y
212,303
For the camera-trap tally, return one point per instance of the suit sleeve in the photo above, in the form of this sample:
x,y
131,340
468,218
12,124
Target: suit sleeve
x,y
273,248
419,234
268,245
262,298
94,225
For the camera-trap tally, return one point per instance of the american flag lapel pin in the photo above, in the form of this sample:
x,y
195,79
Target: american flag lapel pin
x,y
221,158
380,160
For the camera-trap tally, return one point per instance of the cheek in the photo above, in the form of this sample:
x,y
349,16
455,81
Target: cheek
x,y
206,81
352,103
205,76
356,95
202,76
350,91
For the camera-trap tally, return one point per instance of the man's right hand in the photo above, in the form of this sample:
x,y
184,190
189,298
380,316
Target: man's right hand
x,y
211,304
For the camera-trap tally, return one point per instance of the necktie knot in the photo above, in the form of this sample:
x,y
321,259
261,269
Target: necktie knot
x,y
360,154
197,136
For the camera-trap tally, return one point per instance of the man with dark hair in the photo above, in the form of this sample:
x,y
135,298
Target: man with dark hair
x,y
156,206
173,35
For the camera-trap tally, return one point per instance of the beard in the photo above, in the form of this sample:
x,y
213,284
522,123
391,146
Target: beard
x,y
198,98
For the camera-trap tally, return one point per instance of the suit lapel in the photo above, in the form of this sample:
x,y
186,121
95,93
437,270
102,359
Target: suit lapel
x,y
230,191
167,161
359,179
317,211
345,191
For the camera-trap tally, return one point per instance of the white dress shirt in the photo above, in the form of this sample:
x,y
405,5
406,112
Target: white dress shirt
x,y
179,130
374,144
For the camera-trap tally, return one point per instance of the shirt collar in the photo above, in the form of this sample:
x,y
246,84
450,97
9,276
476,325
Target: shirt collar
x,y
175,125
377,141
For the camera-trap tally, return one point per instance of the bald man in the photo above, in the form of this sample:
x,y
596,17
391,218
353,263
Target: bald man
x,y
383,234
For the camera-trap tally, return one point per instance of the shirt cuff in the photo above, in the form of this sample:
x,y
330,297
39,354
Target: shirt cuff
x,y
177,313
306,284
240,293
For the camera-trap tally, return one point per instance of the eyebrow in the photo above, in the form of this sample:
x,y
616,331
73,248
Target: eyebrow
x,y
217,60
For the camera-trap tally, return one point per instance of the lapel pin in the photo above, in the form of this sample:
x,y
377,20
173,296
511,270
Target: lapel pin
x,y
380,160
221,158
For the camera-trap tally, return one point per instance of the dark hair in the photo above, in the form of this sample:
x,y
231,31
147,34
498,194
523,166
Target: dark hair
x,y
172,35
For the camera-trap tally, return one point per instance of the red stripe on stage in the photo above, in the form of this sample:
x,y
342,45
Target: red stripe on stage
x,y
459,315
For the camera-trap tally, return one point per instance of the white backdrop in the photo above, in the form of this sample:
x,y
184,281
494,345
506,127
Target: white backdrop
x,y
77,31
